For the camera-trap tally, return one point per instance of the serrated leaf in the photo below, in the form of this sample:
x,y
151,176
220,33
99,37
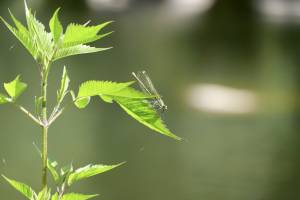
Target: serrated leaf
x,y
77,34
127,92
55,26
22,188
106,98
76,50
23,36
88,171
15,88
4,99
143,112
64,86
41,38
34,37
95,88
82,102
75,196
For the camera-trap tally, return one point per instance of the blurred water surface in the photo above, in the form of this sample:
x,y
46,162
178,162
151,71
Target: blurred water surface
x,y
230,78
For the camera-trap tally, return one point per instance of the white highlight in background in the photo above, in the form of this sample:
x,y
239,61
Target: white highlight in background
x,y
279,10
112,5
221,99
187,8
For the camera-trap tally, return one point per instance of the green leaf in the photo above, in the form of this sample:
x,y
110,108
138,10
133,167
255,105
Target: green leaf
x,y
106,98
88,171
22,188
76,50
51,166
127,92
143,112
55,26
45,194
42,39
4,99
80,34
66,171
74,196
63,86
22,35
55,196
15,88
95,88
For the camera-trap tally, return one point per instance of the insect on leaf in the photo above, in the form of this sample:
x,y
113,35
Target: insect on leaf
x,y
143,112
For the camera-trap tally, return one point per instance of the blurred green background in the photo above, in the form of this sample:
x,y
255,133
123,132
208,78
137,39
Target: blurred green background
x,y
228,71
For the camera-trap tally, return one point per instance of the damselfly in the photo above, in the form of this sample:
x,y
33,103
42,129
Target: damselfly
x,y
147,86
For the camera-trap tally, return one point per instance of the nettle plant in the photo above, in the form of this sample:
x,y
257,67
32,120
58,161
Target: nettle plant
x,y
46,48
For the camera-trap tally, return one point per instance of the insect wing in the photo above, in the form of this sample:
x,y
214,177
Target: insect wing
x,y
141,84
147,82
160,103
147,86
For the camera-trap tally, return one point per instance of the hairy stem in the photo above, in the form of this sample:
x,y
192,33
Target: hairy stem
x,y
24,110
45,124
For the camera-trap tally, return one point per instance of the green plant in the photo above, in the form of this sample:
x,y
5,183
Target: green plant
x,y
47,47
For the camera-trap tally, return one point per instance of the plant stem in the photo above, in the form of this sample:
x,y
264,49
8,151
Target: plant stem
x,y
45,124
24,110
44,156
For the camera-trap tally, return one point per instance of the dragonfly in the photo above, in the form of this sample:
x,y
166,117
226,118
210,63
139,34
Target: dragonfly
x,y
147,86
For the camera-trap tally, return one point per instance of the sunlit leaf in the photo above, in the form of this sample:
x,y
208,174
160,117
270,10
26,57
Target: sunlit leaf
x,y
76,50
22,188
74,196
88,171
95,88
45,194
22,35
143,112
55,196
77,34
15,88
41,38
4,99
55,26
